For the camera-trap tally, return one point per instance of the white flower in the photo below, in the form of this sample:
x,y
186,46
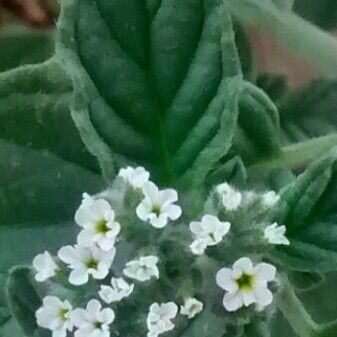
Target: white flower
x,y
159,318
246,284
93,321
99,226
248,197
55,316
87,199
136,177
158,206
45,266
118,290
86,261
191,307
142,269
198,246
210,229
275,234
231,198
269,199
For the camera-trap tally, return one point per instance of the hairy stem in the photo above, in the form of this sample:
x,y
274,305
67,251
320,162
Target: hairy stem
x,y
295,313
299,155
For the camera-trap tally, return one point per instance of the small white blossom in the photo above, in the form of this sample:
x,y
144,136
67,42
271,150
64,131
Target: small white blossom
x,y
275,234
158,206
97,219
191,307
119,289
136,177
142,269
87,199
159,318
54,315
231,198
45,266
246,284
269,199
199,246
86,261
210,229
93,321
248,197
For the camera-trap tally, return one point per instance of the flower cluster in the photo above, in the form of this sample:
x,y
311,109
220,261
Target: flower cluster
x,y
102,232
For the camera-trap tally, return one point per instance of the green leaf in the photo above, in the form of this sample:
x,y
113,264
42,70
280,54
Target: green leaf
x,y
24,298
39,194
258,328
25,295
36,186
322,13
21,45
206,324
258,126
294,311
284,4
309,112
305,281
34,111
10,329
308,209
169,98
20,243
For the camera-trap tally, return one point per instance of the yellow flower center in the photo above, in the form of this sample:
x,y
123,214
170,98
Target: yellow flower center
x,y
246,282
101,226
63,313
156,209
98,325
91,263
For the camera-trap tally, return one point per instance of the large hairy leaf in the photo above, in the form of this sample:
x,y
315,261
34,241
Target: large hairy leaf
x,y
21,45
34,111
308,209
39,194
151,84
38,187
21,242
322,12
309,112
24,298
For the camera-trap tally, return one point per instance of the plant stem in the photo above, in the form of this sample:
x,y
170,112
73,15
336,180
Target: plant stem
x,y
294,33
299,155
294,312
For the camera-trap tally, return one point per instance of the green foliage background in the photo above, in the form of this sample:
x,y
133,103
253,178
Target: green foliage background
x,y
67,124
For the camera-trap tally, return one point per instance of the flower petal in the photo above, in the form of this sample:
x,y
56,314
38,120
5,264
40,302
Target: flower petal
x,y
68,254
159,222
168,196
107,315
173,211
150,190
263,296
78,276
143,210
78,317
86,238
93,307
224,279
232,301
243,265
265,272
